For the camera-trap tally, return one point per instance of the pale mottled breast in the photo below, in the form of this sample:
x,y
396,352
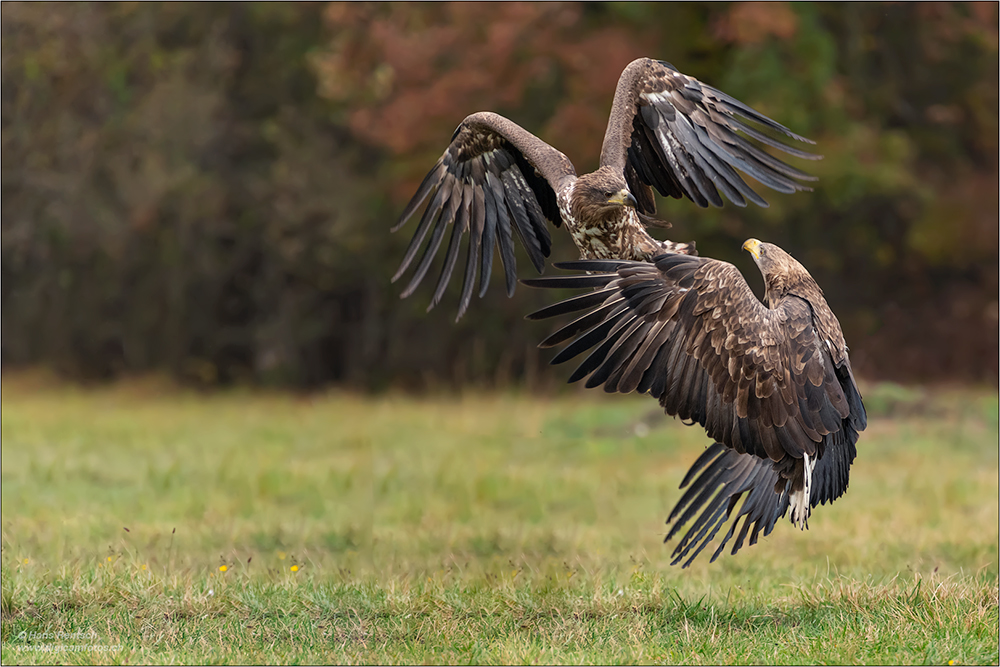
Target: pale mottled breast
x,y
584,235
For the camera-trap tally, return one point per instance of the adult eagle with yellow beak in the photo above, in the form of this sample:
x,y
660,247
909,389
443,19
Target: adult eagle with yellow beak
x,y
666,130
770,382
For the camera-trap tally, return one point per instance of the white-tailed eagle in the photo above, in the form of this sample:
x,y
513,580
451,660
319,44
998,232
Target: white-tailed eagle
x,y
666,131
770,382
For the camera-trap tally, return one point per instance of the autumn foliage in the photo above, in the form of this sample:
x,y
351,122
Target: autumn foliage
x,y
206,190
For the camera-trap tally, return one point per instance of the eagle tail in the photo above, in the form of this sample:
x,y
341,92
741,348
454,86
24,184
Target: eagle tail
x,y
800,496
721,477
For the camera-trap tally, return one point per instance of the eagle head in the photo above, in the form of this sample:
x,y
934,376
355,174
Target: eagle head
x,y
600,195
783,274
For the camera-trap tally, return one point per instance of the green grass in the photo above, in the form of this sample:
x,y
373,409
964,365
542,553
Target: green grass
x,y
496,528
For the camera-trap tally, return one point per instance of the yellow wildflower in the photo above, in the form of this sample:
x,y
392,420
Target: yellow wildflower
x,y
294,568
223,568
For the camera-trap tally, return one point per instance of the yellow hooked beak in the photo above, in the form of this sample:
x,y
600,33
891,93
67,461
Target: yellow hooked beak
x,y
752,246
623,198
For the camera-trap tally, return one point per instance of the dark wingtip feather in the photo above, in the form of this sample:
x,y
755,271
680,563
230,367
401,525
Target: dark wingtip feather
x,y
431,180
569,282
571,305
604,265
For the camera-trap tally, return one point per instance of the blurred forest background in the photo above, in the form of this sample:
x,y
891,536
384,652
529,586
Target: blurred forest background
x,y
206,190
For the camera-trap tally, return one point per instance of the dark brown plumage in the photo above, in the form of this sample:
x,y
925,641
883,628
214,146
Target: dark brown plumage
x,y
666,130
770,382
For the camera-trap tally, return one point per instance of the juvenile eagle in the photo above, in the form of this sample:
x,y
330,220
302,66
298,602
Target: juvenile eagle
x,y
666,130
770,382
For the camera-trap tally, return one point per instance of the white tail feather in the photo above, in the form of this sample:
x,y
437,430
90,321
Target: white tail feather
x,y
799,500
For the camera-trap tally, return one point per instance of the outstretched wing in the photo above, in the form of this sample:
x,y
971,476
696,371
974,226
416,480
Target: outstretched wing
x,y
690,332
670,131
494,179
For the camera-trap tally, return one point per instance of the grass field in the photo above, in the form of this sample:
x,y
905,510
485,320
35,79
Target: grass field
x,y
151,525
